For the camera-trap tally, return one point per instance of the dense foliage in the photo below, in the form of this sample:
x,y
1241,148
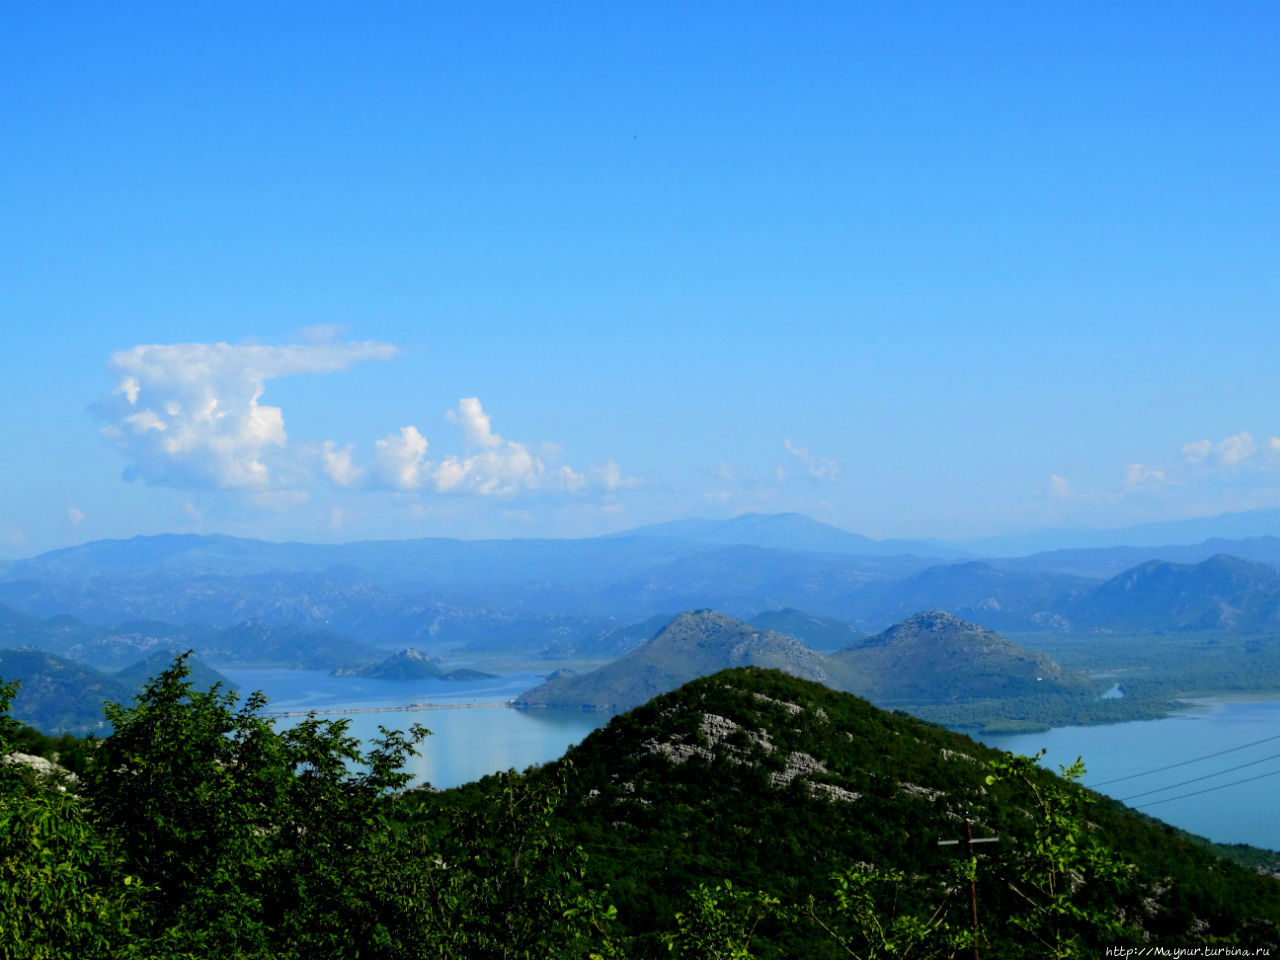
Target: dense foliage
x,y
196,829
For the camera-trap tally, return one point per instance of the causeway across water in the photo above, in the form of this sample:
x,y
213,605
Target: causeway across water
x,y
407,706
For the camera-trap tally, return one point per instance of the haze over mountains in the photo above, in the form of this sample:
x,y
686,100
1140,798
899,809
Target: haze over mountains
x,y
601,597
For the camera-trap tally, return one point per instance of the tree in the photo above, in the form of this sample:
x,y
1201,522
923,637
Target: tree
x,y
63,892
1068,881
248,841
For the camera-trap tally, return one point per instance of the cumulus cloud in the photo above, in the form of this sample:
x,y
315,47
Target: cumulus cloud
x,y
477,430
823,468
338,466
489,465
189,414
493,466
1236,449
400,459
1231,452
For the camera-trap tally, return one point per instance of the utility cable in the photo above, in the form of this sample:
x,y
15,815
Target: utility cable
x,y
1207,776
1196,793
1182,763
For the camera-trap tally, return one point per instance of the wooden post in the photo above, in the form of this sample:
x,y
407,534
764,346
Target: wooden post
x,y
969,841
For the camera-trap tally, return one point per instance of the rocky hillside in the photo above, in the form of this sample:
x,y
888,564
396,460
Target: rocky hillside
x,y
928,658
774,783
935,656
692,645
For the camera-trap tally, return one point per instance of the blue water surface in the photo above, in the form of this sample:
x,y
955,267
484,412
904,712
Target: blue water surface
x,y
465,744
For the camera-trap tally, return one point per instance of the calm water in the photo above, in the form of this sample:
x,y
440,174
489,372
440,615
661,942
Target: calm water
x,y
1248,813
465,744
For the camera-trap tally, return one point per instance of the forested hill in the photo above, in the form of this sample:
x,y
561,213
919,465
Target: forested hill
x,y
775,783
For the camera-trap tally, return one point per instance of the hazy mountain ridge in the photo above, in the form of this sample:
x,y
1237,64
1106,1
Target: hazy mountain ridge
x,y
824,634
250,643
693,644
930,657
60,695
936,656
579,599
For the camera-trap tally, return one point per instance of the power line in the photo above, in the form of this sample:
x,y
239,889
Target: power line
x,y
1207,776
1196,793
1182,763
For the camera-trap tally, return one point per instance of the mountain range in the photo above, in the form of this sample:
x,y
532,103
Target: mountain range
x,y
598,598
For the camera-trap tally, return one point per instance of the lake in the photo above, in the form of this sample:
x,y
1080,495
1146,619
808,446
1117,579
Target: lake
x,y
468,743
1246,813
465,744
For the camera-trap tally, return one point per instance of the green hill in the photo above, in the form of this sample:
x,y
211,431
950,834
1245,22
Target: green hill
x,y
935,656
59,695
773,783
408,664
692,645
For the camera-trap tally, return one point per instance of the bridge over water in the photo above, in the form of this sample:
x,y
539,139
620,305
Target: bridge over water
x,y
408,706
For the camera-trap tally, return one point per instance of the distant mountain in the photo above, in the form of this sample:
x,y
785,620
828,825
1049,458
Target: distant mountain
x,y
939,657
692,645
435,560
201,677
741,580
58,695
817,633
247,644
978,591
609,640
1226,526
1106,562
1221,593
790,531
408,664
255,643
928,658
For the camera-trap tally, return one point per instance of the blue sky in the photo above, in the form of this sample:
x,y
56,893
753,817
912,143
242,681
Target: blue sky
x,y
332,271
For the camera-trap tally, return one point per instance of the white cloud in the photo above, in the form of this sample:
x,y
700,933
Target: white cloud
x,y
400,459
1197,452
1274,446
337,464
1236,449
1059,487
476,428
610,477
494,467
188,414
75,517
823,468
